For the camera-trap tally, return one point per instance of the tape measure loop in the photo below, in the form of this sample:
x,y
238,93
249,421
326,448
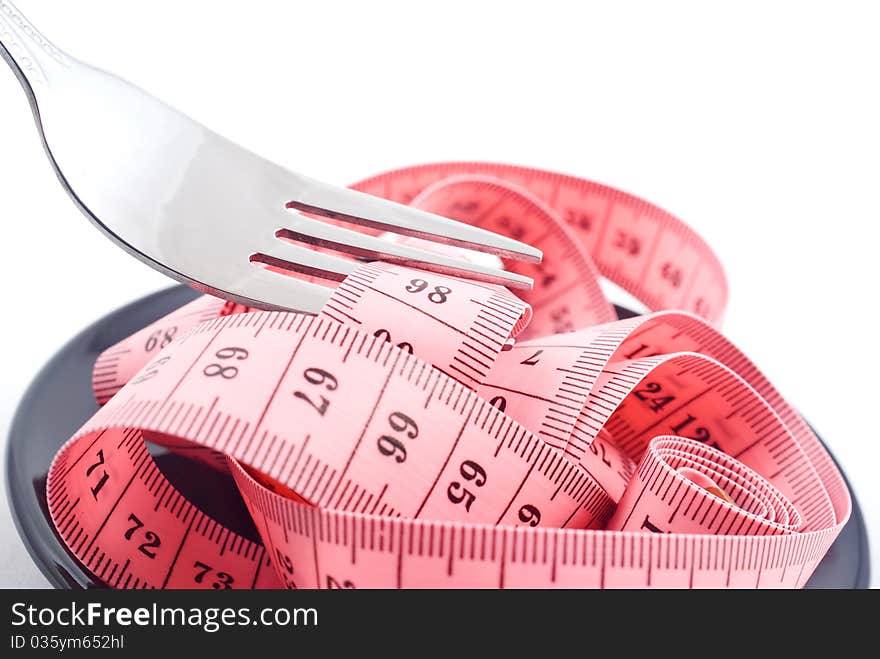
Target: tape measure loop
x,y
427,431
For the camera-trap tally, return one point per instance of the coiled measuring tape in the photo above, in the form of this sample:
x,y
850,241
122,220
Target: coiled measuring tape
x,y
428,431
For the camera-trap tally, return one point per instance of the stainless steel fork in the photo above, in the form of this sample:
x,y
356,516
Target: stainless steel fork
x,y
203,210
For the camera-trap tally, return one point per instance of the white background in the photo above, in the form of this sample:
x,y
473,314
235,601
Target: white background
x,y
757,123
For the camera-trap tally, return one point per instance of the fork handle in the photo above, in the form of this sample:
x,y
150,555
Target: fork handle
x,y
32,56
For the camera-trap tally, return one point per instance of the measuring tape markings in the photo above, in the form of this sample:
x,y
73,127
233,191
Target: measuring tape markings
x,y
665,332
340,547
567,295
603,219
791,561
485,317
118,364
142,411
661,485
120,455
553,395
393,376
145,414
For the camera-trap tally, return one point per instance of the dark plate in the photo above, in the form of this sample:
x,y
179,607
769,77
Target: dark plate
x,y
60,400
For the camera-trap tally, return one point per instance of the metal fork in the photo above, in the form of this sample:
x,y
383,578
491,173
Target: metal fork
x,y
205,211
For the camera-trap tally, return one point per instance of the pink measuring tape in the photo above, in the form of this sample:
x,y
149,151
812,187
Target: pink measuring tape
x,y
428,431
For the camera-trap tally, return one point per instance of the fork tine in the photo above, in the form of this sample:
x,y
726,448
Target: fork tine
x,y
321,234
264,289
360,208
297,258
